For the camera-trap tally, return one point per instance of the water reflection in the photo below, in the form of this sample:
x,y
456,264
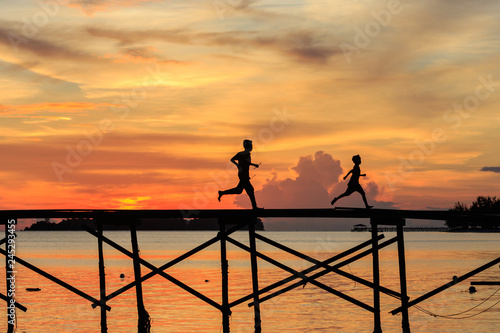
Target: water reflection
x,y
72,256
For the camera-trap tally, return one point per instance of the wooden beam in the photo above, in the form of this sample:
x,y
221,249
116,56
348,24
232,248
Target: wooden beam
x,y
160,270
319,274
56,280
326,266
376,278
448,285
302,276
115,216
405,322
102,279
10,274
255,275
18,305
225,309
143,321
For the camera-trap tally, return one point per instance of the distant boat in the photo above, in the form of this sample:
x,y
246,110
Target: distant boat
x,y
360,227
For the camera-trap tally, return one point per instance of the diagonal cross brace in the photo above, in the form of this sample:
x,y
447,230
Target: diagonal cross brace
x,y
308,270
154,269
5,298
327,267
302,276
18,305
448,285
58,281
324,272
171,263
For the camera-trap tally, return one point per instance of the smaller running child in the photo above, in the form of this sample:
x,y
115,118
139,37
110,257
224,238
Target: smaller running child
x,y
353,185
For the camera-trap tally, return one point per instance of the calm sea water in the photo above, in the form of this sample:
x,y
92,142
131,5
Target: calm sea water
x,y
432,260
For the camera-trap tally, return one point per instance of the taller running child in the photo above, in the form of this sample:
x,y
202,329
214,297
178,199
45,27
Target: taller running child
x,y
243,161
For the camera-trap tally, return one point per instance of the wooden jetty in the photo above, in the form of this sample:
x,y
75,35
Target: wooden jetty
x,y
379,218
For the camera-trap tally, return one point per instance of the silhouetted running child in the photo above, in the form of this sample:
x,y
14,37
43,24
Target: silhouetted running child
x,y
353,185
243,161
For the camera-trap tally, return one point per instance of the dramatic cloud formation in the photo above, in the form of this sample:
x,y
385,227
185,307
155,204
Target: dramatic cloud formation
x,y
318,180
315,175
91,7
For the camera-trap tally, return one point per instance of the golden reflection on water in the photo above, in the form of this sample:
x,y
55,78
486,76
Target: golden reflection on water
x,y
430,264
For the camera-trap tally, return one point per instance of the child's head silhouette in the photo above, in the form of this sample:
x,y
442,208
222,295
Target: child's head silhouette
x,y
247,144
356,159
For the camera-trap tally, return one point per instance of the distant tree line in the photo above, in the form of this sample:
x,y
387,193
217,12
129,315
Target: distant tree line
x,y
142,224
482,214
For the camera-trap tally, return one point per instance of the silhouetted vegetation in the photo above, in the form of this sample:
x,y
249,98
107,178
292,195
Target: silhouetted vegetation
x,y
66,224
482,214
143,224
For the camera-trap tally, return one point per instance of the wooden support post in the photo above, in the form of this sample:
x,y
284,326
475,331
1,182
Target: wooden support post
x,y
144,322
226,311
10,273
376,278
255,275
102,278
402,278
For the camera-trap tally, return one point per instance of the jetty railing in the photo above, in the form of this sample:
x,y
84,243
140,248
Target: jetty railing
x,y
379,218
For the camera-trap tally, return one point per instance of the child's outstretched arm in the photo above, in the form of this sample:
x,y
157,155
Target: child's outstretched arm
x,y
347,174
234,159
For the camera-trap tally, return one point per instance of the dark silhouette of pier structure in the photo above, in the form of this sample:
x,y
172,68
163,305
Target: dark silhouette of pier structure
x,y
246,219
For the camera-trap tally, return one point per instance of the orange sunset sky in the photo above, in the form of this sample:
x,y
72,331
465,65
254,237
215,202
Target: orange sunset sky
x,y
141,104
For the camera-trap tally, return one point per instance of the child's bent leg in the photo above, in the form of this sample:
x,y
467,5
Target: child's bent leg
x,y
364,198
340,196
237,190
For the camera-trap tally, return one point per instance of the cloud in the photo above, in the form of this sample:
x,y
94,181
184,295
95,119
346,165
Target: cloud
x,y
41,48
90,7
492,169
137,55
316,183
119,159
36,86
302,45
50,58
66,108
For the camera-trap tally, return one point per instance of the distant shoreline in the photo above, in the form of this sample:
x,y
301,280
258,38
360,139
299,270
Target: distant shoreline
x,y
149,224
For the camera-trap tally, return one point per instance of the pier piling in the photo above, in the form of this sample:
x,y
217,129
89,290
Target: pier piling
x,y
377,326
255,275
144,322
102,278
402,278
226,311
10,278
